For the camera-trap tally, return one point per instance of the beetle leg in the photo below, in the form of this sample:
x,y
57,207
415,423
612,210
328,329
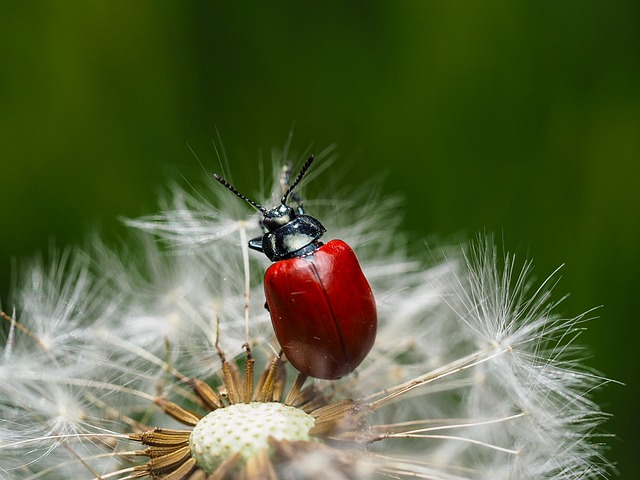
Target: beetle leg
x,y
266,307
299,208
256,244
296,199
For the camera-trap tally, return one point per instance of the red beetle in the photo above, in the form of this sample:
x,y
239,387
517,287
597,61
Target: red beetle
x,y
321,305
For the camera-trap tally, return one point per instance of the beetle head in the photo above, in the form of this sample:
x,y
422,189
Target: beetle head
x,y
282,214
288,233
278,217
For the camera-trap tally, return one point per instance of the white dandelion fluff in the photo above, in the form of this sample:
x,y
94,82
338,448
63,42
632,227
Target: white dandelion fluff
x,y
159,361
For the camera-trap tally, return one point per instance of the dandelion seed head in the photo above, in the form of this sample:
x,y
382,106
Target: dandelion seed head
x,y
134,362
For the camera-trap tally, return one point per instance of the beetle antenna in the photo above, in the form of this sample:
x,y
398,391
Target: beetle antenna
x,y
303,170
233,189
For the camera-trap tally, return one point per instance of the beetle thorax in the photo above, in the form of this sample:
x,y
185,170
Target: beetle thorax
x,y
289,234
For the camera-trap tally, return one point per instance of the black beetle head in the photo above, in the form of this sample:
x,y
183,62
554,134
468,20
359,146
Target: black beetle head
x,y
278,217
288,234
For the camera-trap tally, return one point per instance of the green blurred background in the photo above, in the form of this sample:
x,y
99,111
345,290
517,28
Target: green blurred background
x,y
519,118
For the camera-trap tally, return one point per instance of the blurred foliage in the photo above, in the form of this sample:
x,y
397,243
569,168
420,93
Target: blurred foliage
x,y
519,118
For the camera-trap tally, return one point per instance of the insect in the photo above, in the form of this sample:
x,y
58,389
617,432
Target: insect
x,y
321,305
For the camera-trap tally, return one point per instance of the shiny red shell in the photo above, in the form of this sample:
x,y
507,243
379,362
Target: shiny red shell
x,y
323,310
